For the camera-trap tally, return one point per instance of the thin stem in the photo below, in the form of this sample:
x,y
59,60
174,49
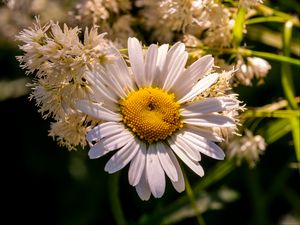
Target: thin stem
x,y
248,52
275,114
286,70
192,199
114,199
269,11
264,19
288,87
239,27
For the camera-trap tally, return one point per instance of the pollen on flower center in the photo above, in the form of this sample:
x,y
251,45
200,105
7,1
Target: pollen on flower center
x,y
151,113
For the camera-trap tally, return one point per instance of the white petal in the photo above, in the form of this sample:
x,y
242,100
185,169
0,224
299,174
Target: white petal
x,y
192,74
161,57
122,157
104,130
121,70
150,64
97,151
142,188
136,58
176,67
166,162
178,185
117,141
190,152
211,120
194,109
137,165
116,84
155,173
97,111
100,91
176,50
204,146
195,166
201,86
206,132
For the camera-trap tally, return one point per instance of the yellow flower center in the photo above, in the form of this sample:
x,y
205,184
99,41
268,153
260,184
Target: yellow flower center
x,y
151,113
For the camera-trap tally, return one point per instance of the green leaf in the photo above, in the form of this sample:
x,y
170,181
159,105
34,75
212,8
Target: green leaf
x,y
275,130
295,123
288,87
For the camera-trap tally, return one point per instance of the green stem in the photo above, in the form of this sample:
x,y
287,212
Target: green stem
x,y
286,70
115,202
276,114
248,52
256,20
267,55
289,89
192,199
269,11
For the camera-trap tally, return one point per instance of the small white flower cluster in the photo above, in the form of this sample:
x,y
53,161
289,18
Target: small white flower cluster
x,y
112,16
208,18
254,67
248,147
59,58
249,3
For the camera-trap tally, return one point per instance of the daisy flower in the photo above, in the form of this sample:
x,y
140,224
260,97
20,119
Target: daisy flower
x,y
153,113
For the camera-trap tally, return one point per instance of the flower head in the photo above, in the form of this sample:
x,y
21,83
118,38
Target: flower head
x,y
248,147
153,110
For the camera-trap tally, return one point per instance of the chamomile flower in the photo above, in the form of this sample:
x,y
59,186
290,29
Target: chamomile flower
x,y
153,113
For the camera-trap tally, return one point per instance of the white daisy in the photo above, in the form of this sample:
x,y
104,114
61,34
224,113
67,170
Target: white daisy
x,y
150,112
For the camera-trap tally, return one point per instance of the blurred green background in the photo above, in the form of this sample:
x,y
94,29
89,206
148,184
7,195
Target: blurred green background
x,y
45,184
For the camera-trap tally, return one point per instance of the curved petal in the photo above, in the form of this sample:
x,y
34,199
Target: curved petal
x,y
118,140
179,185
100,92
161,59
136,59
191,75
155,173
162,55
104,130
121,70
150,64
166,162
201,86
176,50
97,151
205,132
193,165
219,104
97,111
115,83
204,146
142,188
176,67
122,157
211,120
137,165
190,152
